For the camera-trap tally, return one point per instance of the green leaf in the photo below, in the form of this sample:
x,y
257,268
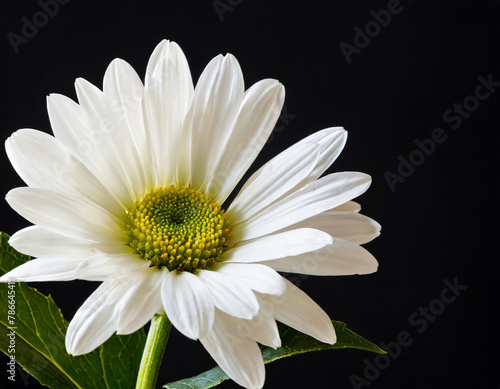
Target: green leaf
x,y
293,342
39,339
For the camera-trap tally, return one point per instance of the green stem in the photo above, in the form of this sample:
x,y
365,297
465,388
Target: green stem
x,y
153,352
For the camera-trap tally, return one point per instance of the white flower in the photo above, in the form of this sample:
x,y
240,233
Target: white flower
x,y
129,190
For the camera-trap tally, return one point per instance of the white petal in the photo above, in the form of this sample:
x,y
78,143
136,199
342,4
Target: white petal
x,y
96,320
297,310
44,269
274,179
186,141
72,216
326,193
239,357
340,258
100,144
257,277
168,92
331,141
229,295
141,301
188,304
256,118
39,242
217,99
97,267
43,162
120,123
262,328
124,92
350,206
351,226
280,245
102,267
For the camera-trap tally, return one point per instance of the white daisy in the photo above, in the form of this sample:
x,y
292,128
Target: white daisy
x,y
129,192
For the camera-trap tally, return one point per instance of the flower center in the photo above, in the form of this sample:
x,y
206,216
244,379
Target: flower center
x,y
178,228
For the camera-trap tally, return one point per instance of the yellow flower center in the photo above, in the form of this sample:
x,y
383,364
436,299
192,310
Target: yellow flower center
x,y
178,228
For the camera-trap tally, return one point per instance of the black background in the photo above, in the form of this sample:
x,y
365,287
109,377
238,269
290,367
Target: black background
x,y
440,223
